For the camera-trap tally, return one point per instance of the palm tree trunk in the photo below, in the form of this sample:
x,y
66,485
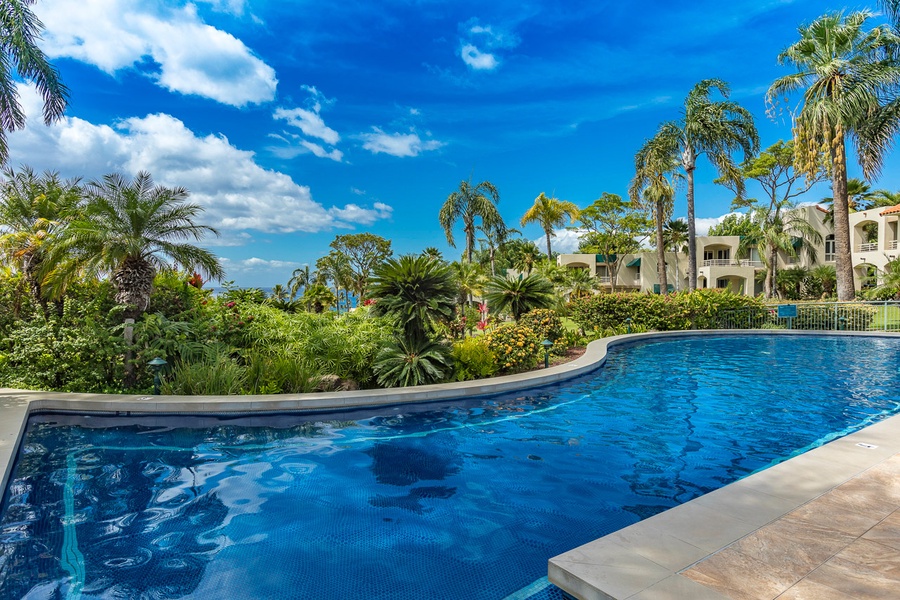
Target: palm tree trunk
x,y
549,254
661,254
843,257
771,273
493,271
692,231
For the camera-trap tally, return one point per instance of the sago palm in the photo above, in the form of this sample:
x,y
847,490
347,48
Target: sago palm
x,y
716,129
468,203
518,295
406,362
844,73
550,213
130,229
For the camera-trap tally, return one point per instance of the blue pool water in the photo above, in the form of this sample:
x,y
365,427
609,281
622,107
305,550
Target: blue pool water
x,y
455,500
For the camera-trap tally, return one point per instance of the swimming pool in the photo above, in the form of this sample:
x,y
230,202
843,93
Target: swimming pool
x,y
453,500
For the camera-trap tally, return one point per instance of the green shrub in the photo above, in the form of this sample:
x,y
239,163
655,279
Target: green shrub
x,y
547,325
473,359
217,374
516,348
858,317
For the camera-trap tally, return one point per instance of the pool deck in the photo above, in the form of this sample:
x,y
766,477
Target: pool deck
x,y
824,525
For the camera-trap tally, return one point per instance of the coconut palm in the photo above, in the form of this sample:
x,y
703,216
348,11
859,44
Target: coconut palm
x,y
652,189
675,237
844,73
469,278
300,278
495,235
468,203
34,210
19,31
129,230
550,213
317,297
708,127
518,295
416,291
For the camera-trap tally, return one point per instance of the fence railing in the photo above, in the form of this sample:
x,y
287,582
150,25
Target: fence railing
x,y
868,247
818,316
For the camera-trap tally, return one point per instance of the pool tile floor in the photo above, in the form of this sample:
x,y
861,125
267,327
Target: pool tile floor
x,y
844,544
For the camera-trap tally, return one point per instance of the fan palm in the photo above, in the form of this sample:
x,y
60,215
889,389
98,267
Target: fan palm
x,y
844,73
550,213
518,295
652,189
468,203
34,210
712,128
317,297
128,230
19,31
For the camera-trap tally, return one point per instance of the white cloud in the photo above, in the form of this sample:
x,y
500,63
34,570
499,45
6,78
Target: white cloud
x,y
702,225
359,215
255,264
192,57
565,241
397,144
476,59
309,122
335,154
238,194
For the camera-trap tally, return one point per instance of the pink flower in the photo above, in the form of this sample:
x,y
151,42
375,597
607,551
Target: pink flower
x,y
481,325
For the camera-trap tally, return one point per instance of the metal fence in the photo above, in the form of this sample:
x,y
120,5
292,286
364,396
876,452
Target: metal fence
x,y
820,316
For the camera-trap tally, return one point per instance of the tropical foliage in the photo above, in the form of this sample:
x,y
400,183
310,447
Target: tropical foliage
x,y
518,295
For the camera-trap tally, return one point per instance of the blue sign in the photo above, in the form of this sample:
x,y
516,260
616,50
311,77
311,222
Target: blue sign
x,y
787,311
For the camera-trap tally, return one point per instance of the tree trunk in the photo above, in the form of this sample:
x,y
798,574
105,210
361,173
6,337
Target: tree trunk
x,y
470,238
692,228
843,257
493,272
548,246
130,378
772,273
661,254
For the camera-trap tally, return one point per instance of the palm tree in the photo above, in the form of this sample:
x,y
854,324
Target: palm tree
x,y
550,213
129,230
34,210
580,283
882,198
317,297
825,274
495,235
652,189
19,31
468,203
519,295
675,239
469,279
334,267
844,73
712,128
300,278
411,362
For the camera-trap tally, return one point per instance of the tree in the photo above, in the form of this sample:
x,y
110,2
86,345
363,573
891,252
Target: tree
x,y
334,267
675,236
712,128
519,295
652,189
34,210
468,203
495,235
129,230
19,30
363,252
317,297
550,213
469,279
844,73
739,224
417,292
611,227
520,255
300,278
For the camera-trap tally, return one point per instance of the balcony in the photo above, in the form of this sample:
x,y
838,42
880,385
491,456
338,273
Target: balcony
x,y
604,278
891,245
720,262
867,247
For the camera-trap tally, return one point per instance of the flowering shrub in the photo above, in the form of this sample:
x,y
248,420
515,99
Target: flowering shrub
x,y
547,325
473,359
516,347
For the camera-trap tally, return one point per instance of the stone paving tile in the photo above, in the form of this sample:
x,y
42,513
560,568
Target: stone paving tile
x,y
737,576
808,590
864,570
887,532
827,511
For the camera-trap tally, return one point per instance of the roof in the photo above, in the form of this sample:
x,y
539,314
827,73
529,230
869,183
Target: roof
x,y
890,211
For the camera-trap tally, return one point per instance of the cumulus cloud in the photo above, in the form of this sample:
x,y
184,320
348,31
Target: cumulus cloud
x,y
478,60
703,225
359,215
172,45
238,194
310,123
255,264
479,44
397,144
565,241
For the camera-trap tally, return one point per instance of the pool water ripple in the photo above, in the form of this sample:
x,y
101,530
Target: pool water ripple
x,y
455,500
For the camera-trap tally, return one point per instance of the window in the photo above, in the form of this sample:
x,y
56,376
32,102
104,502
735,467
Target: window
x,y
707,255
829,248
721,283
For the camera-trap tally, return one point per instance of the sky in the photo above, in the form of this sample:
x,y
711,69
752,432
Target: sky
x,y
293,122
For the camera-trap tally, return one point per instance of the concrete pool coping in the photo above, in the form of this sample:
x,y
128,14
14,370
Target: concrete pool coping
x,y
640,562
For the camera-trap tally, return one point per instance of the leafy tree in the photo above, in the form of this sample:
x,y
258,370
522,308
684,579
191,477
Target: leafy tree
x,y
363,252
19,31
612,227
405,362
883,198
825,276
652,189
739,224
468,203
844,73
433,253
860,196
417,292
518,295
334,267
317,297
675,236
496,233
550,213
34,210
712,128
520,254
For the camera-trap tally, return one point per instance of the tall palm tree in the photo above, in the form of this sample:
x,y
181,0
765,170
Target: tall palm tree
x,y
34,210
128,230
713,128
652,189
19,31
469,278
495,235
550,213
468,203
675,239
300,278
844,72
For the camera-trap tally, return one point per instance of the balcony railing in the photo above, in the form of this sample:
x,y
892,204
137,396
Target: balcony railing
x,y
720,262
891,245
604,278
867,247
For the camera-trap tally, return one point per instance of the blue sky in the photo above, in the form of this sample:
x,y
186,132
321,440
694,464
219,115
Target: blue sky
x,y
293,122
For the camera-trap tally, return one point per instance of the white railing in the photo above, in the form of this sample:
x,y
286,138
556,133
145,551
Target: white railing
x,y
756,264
891,245
867,247
720,262
604,279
